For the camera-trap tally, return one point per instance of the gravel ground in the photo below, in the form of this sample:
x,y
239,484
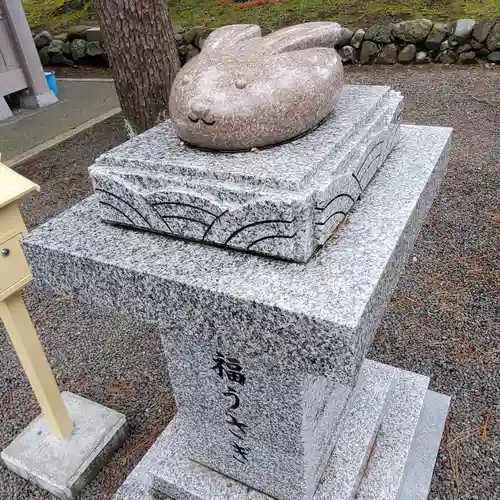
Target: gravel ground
x,y
443,320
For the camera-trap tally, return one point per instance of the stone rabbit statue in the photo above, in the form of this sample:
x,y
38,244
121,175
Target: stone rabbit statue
x,y
246,91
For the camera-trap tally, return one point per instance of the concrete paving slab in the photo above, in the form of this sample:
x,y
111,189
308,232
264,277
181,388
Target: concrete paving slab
x,y
65,466
79,102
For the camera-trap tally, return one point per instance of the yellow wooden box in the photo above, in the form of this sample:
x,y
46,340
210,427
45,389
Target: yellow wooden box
x,y
14,270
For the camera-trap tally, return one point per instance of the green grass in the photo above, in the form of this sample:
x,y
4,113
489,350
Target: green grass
x,y
212,13
348,12
46,14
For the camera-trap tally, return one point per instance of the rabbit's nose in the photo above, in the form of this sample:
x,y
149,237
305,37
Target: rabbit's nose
x,y
199,109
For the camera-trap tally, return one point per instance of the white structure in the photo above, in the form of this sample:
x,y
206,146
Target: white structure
x,y
20,67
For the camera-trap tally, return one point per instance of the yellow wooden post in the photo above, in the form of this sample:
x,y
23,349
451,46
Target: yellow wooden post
x,y
15,274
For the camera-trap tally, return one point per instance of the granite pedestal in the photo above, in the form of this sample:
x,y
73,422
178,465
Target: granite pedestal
x,y
266,357
387,452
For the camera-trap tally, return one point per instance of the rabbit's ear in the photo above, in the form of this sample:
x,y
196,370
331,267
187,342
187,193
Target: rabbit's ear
x,y
231,35
301,36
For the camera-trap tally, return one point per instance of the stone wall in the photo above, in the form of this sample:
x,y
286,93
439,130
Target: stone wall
x,y
420,41
84,45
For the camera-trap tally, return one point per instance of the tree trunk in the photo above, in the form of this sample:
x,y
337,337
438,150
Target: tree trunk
x,y
141,48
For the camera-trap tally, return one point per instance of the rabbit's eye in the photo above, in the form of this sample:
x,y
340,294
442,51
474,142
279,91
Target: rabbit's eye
x,y
240,83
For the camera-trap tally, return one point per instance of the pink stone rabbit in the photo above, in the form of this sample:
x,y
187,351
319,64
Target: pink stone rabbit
x,y
246,91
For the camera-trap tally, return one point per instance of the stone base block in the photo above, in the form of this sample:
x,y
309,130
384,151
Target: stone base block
x,y
387,450
5,111
37,101
425,446
284,201
65,467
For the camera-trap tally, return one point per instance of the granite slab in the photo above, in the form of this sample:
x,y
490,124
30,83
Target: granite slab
x,y
422,459
344,467
348,460
284,201
275,345
69,252
387,464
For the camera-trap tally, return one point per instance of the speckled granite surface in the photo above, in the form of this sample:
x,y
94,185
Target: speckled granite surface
x,y
175,478
349,458
296,333
284,201
421,461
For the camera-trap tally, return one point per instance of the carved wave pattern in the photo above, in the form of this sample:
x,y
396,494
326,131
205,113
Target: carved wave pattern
x,y
337,211
259,227
362,176
126,210
327,223
189,221
371,164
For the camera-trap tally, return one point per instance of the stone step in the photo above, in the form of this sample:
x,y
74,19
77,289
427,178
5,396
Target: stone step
x,y
420,463
399,466
180,478
159,150
354,149
283,201
385,470
346,465
345,176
